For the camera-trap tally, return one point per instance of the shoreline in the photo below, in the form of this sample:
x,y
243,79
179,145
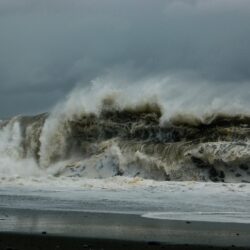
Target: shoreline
x,y
143,215
122,227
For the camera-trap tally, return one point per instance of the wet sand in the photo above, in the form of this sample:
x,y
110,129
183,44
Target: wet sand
x,y
125,219
26,225
44,242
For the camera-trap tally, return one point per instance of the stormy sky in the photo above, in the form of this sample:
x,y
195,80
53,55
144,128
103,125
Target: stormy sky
x,y
48,47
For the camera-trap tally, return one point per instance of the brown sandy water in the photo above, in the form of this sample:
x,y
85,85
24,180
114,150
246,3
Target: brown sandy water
x,y
131,141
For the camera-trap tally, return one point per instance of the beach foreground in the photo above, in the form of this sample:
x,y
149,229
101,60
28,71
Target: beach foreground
x,y
35,242
151,217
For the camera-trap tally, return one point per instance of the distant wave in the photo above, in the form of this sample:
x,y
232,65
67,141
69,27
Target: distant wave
x,y
129,141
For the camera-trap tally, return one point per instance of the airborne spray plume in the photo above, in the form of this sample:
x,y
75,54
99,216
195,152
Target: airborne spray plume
x,y
150,131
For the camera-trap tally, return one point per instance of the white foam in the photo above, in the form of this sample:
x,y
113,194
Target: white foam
x,y
12,161
173,94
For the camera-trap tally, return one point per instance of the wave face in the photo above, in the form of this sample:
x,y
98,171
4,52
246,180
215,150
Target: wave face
x,y
130,141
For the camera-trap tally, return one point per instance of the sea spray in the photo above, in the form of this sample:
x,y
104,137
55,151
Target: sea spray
x,y
14,162
143,131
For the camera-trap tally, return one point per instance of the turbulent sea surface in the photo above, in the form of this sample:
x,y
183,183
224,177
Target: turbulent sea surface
x,y
131,141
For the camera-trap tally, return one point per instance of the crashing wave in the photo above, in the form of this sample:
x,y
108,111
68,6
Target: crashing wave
x,y
129,141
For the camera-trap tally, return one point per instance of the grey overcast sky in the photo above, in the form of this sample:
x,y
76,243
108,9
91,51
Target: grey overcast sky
x,y
47,47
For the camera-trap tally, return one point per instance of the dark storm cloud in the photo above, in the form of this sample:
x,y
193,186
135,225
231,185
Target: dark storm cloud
x,y
47,47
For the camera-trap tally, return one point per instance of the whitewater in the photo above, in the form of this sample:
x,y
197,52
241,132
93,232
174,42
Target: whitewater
x,y
128,134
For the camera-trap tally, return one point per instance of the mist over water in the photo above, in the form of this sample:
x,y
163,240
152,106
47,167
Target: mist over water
x,y
160,128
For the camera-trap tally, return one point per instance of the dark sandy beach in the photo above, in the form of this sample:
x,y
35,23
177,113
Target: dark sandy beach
x,y
104,219
44,242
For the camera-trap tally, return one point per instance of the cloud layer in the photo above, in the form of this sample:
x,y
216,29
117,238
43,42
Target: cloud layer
x,y
48,47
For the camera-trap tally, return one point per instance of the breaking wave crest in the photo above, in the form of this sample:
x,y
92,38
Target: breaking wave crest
x,y
128,140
